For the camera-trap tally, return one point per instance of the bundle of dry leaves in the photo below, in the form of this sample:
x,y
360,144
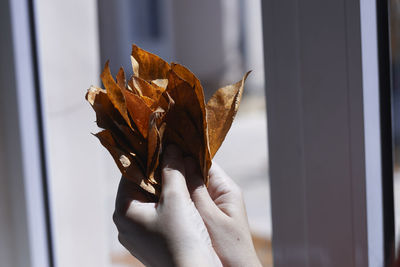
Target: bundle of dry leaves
x,y
160,104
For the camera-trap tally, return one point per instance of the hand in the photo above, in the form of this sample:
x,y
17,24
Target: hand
x,y
170,232
222,208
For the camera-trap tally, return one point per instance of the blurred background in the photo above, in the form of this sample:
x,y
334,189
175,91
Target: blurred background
x,y
218,40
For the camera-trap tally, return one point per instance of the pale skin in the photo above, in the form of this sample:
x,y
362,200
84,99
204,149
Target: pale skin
x,y
191,225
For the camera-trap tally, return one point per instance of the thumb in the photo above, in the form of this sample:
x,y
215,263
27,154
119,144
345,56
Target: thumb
x,y
132,204
173,175
143,213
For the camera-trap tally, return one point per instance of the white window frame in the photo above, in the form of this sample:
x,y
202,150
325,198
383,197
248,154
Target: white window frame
x,y
25,239
324,129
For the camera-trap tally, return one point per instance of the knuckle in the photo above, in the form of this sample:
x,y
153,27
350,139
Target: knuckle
x,y
198,192
171,194
117,219
170,171
121,239
118,222
133,208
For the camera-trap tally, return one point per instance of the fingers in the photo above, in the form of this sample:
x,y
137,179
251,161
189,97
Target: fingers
x,y
173,174
134,204
221,184
226,194
217,173
198,191
194,178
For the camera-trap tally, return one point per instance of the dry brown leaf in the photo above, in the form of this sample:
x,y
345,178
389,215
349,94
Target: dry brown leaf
x,y
147,89
221,110
114,93
133,89
163,83
139,111
165,102
106,114
188,111
189,77
149,102
109,118
161,104
121,80
150,66
135,141
125,162
153,151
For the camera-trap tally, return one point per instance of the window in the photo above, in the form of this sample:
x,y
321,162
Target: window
x,y
328,153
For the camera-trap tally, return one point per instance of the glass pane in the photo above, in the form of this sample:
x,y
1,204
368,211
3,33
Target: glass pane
x,y
218,40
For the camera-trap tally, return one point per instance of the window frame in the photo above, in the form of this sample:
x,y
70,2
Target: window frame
x,y
27,239
308,67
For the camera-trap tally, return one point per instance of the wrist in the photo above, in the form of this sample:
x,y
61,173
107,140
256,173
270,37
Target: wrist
x,y
196,259
196,256
192,261
244,261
